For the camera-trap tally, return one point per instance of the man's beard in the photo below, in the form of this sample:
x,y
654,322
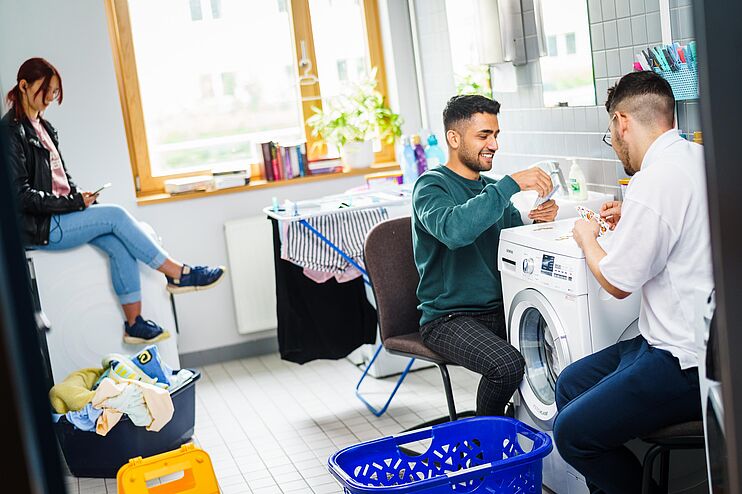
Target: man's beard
x,y
470,159
622,150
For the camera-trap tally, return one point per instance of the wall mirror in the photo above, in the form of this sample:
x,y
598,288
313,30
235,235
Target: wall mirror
x,y
483,33
566,61
470,74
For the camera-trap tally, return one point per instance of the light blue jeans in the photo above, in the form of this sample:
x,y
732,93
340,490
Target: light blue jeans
x,y
117,233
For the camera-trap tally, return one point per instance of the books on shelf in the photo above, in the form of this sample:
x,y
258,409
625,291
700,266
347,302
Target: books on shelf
x,y
189,184
230,175
325,166
284,161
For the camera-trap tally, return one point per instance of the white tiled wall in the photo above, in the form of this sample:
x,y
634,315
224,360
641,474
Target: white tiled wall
x,y
531,132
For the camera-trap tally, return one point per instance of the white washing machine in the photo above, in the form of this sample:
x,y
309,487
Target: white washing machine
x,y
556,313
75,292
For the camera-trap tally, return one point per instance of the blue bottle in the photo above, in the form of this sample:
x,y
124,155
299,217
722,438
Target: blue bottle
x,y
420,160
433,153
409,166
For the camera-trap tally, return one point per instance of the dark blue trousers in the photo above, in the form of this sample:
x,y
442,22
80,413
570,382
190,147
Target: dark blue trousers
x,y
606,399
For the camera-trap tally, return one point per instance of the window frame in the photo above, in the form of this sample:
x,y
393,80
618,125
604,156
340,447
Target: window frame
x,y
122,44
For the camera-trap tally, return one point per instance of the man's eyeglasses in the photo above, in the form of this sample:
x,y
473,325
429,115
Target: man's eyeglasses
x,y
607,135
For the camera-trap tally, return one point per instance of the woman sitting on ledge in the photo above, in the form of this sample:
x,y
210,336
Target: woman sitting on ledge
x,y
56,215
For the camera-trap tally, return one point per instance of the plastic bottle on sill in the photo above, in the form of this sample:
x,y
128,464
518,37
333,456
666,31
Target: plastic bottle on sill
x,y
433,153
577,182
408,164
420,161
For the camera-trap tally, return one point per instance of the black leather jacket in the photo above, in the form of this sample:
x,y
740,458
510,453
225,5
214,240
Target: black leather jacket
x,y
31,172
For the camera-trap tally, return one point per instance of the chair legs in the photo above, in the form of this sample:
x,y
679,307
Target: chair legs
x,y
648,466
665,470
449,391
452,414
663,451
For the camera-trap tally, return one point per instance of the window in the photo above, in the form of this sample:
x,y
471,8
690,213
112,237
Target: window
x,y
204,82
551,44
195,6
198,7
571,43
228,83
216,9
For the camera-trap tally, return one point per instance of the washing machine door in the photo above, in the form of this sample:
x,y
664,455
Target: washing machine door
x,y
535,330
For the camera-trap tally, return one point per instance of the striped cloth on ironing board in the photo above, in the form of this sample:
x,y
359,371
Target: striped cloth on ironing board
x,y
346,229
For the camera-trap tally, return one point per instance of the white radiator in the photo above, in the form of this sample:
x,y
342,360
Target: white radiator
x,y
250,251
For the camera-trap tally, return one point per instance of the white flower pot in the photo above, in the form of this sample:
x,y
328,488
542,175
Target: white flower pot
x,y
357,154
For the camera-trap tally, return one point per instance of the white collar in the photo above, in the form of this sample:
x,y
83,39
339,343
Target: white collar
x,y
660,144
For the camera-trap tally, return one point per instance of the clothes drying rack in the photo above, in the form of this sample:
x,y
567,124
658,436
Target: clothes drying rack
x,y
302,211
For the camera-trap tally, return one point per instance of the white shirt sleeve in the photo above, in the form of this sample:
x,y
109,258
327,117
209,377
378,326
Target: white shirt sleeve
x,y
638,249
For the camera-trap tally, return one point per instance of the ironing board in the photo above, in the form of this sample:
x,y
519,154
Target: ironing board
x,y
302,211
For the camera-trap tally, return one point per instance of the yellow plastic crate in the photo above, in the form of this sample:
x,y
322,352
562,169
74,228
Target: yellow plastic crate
x,y
198,473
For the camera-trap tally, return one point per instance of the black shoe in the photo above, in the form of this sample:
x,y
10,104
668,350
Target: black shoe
x,y
195,278
142,332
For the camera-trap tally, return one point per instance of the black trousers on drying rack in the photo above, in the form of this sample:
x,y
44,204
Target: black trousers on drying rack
x,y
319,320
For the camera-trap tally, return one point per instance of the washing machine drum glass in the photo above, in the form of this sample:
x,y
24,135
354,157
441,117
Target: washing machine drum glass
x,y
537,347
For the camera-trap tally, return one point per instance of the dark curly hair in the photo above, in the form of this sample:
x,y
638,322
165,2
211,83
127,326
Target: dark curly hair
x,y
462,107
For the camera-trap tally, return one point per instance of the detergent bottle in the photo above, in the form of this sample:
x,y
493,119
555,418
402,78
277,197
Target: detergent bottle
x,y
433,153
577,183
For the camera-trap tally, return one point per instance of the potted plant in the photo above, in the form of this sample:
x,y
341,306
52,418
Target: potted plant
x,y
353,119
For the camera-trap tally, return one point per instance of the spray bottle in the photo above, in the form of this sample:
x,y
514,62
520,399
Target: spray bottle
x,y
409,166
420,160
433,153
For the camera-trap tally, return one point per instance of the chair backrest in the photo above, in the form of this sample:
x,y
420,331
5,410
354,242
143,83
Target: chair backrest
x,y
391,267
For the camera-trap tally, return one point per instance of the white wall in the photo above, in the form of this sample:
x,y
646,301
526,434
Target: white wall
x,y
73,35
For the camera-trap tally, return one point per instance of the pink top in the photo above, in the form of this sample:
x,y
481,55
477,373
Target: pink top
x,y
60,184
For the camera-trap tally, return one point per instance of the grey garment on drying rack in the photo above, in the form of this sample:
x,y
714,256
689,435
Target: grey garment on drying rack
x,y
346,229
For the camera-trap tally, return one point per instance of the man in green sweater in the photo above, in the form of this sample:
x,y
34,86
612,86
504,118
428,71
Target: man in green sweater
x,y
457,218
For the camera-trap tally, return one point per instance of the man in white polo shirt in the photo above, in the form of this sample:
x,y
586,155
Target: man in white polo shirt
x,y
660,246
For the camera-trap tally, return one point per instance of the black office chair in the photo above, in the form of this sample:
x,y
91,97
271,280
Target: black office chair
x,y
394,278
688,435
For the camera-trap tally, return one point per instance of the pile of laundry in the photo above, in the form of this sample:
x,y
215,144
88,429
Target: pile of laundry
x,y
139,386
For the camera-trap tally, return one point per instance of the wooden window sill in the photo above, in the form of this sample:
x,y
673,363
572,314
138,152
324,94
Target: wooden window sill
x,y
160,197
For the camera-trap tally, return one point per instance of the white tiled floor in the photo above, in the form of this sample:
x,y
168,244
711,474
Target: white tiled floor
x,y
269,425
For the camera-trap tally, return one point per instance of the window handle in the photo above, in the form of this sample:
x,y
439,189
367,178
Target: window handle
x,y
306,79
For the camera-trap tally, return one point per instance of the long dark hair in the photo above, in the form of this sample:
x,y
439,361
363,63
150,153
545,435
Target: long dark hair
x,y
32,70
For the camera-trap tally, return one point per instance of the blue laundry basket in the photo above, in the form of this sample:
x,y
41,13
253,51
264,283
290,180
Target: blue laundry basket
x,y
497,455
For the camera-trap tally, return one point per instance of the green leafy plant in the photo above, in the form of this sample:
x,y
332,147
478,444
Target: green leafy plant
x,y
359,113
475,79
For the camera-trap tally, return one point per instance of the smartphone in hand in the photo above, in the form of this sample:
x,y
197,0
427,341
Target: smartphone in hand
x,y
104,186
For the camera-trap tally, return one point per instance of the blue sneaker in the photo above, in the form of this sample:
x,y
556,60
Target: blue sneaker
x,y
142,332
195,278
151,364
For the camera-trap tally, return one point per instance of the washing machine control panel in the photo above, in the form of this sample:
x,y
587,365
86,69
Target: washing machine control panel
x,y
528,265
563,273
556,267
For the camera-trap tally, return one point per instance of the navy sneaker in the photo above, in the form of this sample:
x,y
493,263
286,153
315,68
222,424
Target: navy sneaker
x,y
142,332
195,278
